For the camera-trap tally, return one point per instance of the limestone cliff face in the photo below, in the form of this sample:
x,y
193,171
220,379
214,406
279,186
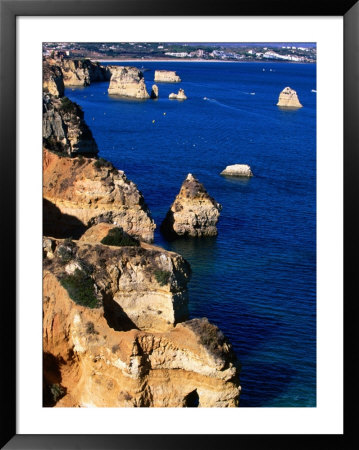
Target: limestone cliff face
x,y
52,80
167,76
193,213
63,127
127,82
79,192
288,98
92,357
179,96
82,72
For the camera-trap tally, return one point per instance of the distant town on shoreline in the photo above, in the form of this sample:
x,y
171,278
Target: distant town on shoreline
x,y
274,52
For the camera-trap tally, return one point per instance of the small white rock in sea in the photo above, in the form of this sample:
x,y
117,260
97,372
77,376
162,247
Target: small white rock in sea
x,y
238,170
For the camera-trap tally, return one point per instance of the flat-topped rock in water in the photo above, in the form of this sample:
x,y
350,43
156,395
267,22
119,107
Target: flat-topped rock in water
x,y
193,213
238,170
80,192
166,76
127,82
179,96
288,98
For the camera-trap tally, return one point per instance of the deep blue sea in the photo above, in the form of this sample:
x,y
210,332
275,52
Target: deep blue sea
x,y
257,279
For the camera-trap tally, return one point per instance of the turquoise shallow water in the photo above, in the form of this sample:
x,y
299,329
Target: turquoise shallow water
x,y
257,279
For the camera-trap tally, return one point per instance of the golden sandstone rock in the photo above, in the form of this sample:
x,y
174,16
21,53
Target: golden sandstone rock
x,y
79,192
166,76
193,213
127,82
288,98
91,358
179,96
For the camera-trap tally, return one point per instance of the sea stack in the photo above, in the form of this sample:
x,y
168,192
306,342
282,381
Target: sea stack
x,y
238,170
288,98
127,82
193,213
166,76
154,91
179,96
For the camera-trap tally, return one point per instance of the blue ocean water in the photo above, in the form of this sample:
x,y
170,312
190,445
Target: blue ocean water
x,y
257,279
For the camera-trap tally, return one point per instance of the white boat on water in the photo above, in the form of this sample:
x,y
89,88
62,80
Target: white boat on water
x,y
313,90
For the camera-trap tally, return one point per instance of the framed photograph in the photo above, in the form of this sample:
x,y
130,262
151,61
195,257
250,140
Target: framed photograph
x,y
175,178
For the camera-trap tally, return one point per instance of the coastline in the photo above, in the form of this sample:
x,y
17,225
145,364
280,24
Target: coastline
x,y
196,60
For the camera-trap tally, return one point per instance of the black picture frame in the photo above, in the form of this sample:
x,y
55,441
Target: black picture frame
x,y
9,10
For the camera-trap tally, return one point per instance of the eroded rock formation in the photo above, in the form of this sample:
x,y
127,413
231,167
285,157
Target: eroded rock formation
x,y
193,213
154,92
288,98
79,192
81,72
90,359
238,170
166,76
64,129
179,96
52,81
127,82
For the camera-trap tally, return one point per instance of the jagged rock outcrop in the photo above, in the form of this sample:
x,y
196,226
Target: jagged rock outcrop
x,y
80,192
179,96
238,170
64,129
90,359
154,92
288,98
127,82
167,76
193,213
52,80
82,72
140,286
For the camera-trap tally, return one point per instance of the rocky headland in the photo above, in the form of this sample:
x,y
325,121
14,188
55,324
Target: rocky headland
x,y
82,72
288,98
166,76
80,192
115,308
64,129
52,80
127,82
115,331
193,213
179,96
238,170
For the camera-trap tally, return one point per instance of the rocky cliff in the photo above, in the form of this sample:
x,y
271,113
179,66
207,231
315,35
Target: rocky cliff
x,y
79,192
64,129
127,82
193,213
82,72
52,80
167,76
288,98
94,355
